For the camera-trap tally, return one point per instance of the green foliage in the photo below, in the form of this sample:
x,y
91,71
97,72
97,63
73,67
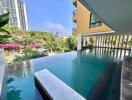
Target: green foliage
x,y
27,54
71,43
51,45
91,42
61,45
4,34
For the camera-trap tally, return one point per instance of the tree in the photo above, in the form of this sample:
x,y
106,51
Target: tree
x,y
4,34
71,43
51,45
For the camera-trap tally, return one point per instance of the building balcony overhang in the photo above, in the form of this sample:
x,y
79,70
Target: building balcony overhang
x,y
74,18
117,14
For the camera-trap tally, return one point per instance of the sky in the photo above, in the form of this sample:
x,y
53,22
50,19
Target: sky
x,y
50,15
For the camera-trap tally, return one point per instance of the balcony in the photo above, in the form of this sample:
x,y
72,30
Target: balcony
x,y
74,18
74,31
74,2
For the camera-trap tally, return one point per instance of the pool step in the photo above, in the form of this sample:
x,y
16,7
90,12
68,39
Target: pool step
x,y
55,88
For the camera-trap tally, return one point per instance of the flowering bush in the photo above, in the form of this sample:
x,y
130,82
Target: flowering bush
x,y
9,46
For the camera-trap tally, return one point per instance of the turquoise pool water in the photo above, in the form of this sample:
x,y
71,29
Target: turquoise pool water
x,y
80,70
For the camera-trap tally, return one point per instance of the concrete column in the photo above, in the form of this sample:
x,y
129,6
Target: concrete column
x,y
127,41
122,41
96,41
102,45
102,41
130,46
115,40
79,45
105,41
109,42
119,41
122,45
126,44
131,42
112,41
84,42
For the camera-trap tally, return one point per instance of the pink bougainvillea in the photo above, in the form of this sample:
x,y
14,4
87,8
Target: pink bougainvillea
x,y
9,46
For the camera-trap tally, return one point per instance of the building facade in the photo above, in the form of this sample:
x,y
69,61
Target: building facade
x,y
85,21
17,9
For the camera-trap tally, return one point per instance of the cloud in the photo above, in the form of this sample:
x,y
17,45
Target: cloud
x,y
57,28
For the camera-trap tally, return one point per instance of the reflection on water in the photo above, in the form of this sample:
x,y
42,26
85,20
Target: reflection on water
x,y
16,72
80,70
12,92
87,69
110,52
20,70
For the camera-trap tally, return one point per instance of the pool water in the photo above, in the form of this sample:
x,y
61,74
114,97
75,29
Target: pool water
x,y
82,71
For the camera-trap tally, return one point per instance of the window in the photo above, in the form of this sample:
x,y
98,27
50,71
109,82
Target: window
x,y
94,21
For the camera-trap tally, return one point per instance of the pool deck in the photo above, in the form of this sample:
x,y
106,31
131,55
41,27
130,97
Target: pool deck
x,y
126,79
2,72
55,88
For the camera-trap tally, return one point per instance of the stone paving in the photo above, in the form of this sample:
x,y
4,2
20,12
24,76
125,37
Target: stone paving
x,y
126,80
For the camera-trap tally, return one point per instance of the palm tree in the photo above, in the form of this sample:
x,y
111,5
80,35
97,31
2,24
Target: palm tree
x,y
4,34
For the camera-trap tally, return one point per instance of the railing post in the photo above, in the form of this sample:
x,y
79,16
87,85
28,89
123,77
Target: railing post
x,y
122,41
84,42
105,41
119,41
109,42
122,45
115,41
95,41
127,41
130,46
126,45
98,41
79,45
112,42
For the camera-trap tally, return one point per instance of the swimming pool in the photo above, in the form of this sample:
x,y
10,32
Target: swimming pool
x,y
83,71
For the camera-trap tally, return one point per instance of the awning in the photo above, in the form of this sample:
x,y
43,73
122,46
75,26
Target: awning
x,y
117,14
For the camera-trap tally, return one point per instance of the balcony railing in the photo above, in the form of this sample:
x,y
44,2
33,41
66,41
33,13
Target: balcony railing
x,y
74,31
74,12
74,2
74,16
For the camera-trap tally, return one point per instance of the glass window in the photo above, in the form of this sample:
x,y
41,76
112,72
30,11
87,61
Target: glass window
x,y
95,21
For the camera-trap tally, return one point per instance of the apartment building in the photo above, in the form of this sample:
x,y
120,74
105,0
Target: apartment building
x,y
85,21
17,9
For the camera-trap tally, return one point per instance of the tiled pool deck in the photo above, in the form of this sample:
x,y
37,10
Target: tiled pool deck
x,y
126,79
2,70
